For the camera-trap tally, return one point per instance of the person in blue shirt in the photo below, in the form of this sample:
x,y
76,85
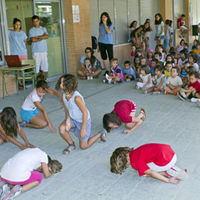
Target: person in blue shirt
x,y
129,73
105,39
38,36
17,40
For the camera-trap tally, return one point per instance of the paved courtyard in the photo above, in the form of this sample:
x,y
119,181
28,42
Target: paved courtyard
x,y
86,174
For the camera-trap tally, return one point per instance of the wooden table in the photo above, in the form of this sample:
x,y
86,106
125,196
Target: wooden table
x,y
18,72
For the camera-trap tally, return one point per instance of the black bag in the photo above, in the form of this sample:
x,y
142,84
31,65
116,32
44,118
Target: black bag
x,y
94,42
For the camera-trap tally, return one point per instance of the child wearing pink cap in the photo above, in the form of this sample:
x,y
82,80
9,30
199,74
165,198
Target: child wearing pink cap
x,y
124,112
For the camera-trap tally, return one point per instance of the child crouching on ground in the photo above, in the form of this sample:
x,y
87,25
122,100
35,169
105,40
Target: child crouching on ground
x,y
22,172
77,116
154,160
173,83
129,73
193,89
146,81
159,81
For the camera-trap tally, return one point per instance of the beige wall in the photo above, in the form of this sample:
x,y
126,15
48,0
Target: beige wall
x,y
166,9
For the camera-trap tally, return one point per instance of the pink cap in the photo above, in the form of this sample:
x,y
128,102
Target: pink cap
x,y
150,50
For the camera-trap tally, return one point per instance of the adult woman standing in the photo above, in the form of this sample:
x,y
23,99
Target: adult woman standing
x,y
105,39
18,39
160,32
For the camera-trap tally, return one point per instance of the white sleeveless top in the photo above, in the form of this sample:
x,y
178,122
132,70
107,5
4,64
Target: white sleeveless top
x,y
74,111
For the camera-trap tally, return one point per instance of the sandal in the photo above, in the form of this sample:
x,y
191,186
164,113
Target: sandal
x,y
23,124
67,150
102,132
142,110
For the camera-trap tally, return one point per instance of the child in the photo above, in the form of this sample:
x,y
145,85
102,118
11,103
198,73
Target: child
x,y
159,81
158,56
161,50
180,47
31,117
22,172
146,79
173,83
124,112
136,65
77,116
193,58
193,89
116,75
129,73
9,128
168,68
149,56
154,62
182,59
154,160
171,34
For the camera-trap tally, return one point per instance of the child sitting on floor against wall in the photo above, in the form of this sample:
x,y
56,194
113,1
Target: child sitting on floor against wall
x,y
159,81
153,160
22,172
168,68
10,128
146,80
173,83
77,118
129,73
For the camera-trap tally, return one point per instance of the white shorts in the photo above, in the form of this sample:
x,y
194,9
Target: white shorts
x,y
41,60
141,85
157,168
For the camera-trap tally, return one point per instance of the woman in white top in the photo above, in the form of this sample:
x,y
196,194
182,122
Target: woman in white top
x,y
22,172
10,128
159,25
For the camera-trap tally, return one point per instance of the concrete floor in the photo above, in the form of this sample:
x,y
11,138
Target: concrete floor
x,y
86,174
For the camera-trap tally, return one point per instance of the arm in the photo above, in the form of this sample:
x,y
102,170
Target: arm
x,y
43,37
162,30
106,28
161,82
79,102
42,109
53,92
137,32
148,81
45,170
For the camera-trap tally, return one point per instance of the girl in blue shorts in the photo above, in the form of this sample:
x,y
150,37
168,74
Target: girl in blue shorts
x,y
77,115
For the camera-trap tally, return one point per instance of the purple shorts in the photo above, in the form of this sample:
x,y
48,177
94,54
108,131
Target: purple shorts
x,y
35,176
77,128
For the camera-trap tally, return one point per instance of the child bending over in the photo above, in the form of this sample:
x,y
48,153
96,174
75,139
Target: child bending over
x,y
124,112
153,160
10,128
78,118
22,172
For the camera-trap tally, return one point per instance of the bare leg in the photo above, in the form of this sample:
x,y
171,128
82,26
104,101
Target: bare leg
x,y
37,122
105,64
97,72
150,90
1,140
29,186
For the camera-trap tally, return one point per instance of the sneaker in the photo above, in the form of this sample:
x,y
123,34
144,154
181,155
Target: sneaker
x,y
183,94
1,186
181,97
16,190
177,172
5,191
195,100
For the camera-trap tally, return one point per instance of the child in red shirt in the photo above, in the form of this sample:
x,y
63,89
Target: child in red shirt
x,y
193,90
154,160
124,112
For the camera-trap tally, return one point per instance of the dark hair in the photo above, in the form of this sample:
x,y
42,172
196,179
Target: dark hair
x,y
41,76
182,40
195,74
194,56
146,29
160,20
9,121
132,23
35,17
167,21
127,62
169,55
70,83
177,70
17,20
146,69
182,15
170,23
167,63
110,117
109,22
154,60
42,84
92,58
54,165
158,53
87,59
159,68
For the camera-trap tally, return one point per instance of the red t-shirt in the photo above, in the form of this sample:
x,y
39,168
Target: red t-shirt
x,y
181,22
159,154
123,109
195,85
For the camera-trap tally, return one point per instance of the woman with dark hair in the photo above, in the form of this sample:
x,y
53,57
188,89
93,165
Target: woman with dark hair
x,y
139,34
17,39
124,112
160,32
95,64
105,39
147,35
133,25
9,128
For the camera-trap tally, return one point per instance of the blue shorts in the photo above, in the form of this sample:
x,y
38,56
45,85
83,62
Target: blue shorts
x,y
77,129
28,115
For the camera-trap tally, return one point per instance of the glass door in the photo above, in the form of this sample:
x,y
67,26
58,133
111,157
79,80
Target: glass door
x,y
50,14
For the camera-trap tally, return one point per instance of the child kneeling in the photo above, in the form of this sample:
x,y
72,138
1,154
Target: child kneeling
x,y
154,160
22,172
77,115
